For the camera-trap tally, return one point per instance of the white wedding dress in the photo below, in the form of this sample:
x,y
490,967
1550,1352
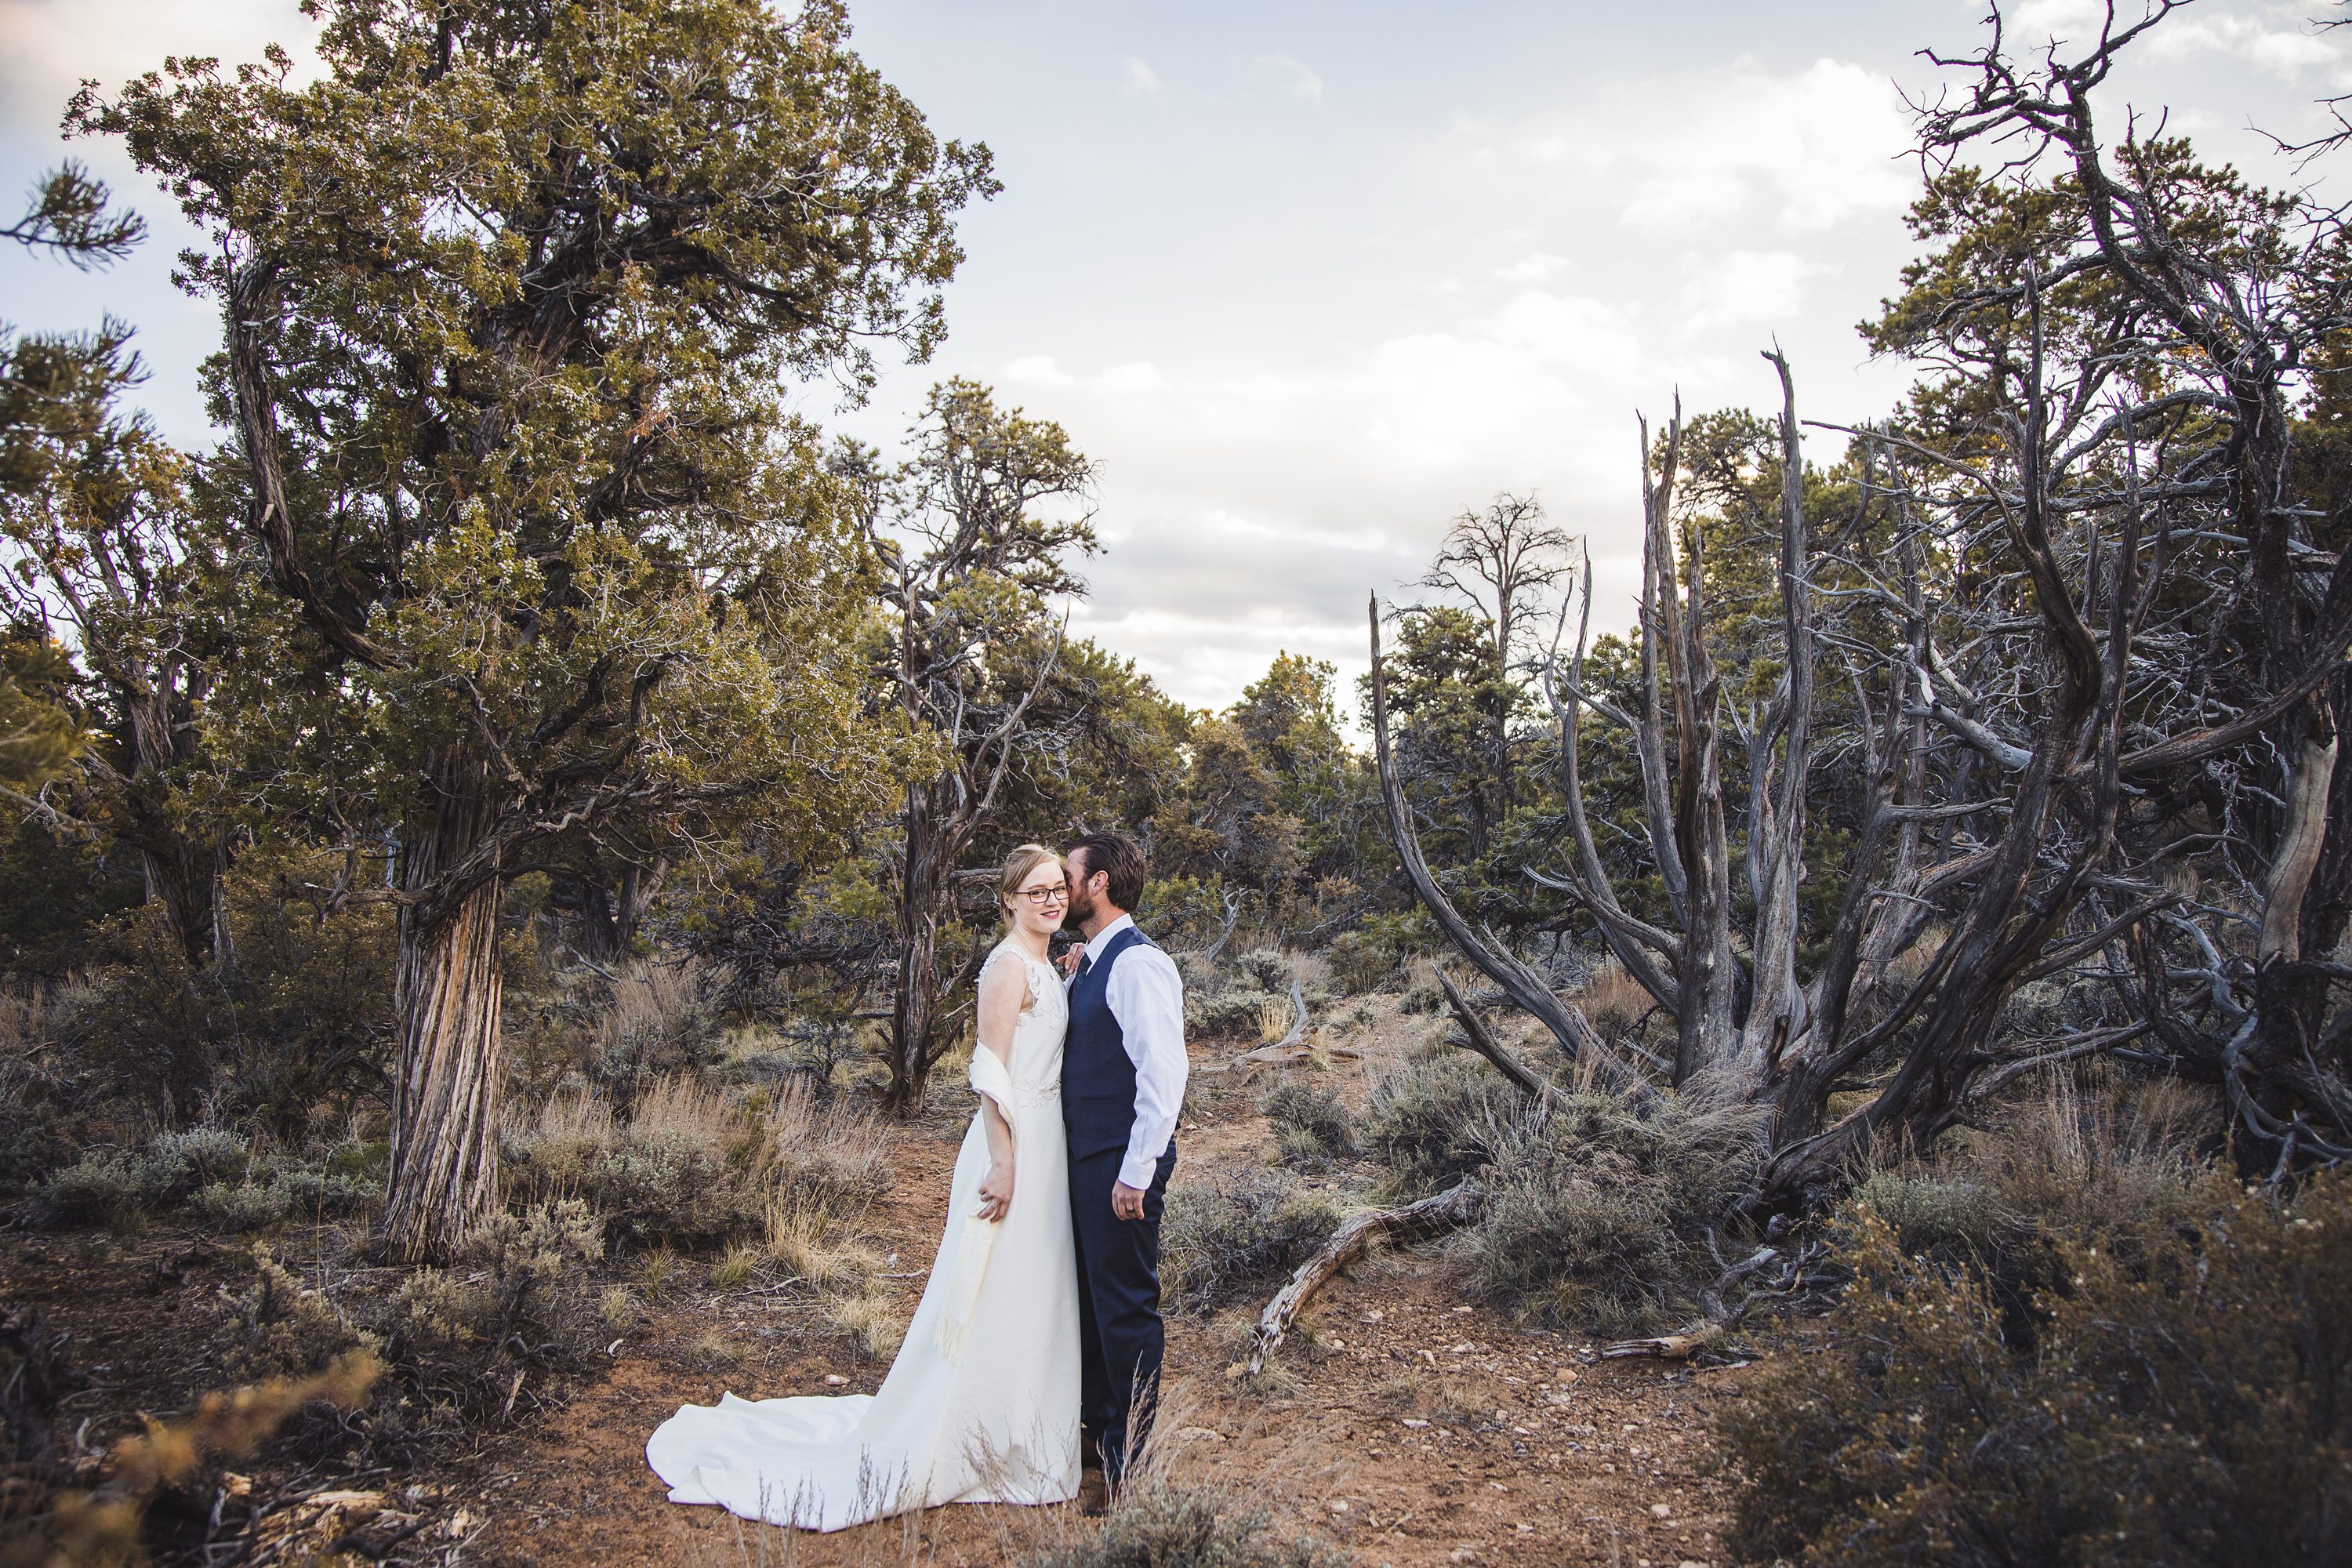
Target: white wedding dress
x,y
982,1404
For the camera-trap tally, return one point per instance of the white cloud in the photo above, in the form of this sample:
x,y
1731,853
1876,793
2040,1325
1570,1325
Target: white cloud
x,y
2276,36
1666,156
52,44
1536,280
1139,80
1761,286
1535,266
1305,84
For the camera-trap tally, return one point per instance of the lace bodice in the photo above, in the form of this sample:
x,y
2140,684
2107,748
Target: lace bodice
x,y
1037,1067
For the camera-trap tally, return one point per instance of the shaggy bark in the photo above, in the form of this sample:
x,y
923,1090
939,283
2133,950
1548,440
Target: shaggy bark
x,y
444,1112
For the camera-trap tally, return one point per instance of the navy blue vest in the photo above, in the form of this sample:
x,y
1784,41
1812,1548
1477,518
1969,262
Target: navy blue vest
x,y
1097,1075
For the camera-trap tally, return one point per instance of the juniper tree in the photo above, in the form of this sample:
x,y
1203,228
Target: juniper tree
x,y
538,557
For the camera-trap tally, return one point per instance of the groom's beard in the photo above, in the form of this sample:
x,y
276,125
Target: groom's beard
x,y
1082,910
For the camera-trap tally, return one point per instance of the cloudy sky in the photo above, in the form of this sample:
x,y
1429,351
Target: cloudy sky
x,y
1308,277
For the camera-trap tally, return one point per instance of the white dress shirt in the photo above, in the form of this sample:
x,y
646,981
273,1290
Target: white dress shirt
x,y
1147,996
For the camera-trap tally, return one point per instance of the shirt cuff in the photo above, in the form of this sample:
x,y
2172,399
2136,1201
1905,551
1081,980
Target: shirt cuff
x,y
1138,1169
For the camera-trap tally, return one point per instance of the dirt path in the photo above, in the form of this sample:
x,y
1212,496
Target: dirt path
x,y
1399,1425
1403,1427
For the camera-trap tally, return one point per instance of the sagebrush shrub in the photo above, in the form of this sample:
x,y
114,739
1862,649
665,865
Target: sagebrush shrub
x,y
2184,1398
1435,1121
1159,1525
1311,1127
1598,1212
245,1207
105,1187
280,1326
1222,1239
1264,969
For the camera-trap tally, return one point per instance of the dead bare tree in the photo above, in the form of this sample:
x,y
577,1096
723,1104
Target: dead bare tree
x,y
2106,607
1502,558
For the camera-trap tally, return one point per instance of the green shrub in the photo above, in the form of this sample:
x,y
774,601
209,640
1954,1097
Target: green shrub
x,y
1226,1238
1261,969
1434,1120
327,1193
1228,1014
1599,1213
180,1162
300,1023
105,1187
2186,1397
1311,1127
244,1208
1375,954
1158,1525
282,1328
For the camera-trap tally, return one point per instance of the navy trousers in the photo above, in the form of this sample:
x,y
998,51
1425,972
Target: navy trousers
x,y
1120,1337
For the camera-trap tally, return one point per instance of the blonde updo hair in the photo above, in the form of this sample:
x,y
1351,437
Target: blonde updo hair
x,y
1017,866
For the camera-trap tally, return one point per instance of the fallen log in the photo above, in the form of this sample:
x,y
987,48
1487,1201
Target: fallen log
x,y
1667,1347
1456,1207
1289,1048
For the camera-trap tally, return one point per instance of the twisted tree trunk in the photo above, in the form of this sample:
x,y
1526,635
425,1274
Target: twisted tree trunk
x,y
445,1109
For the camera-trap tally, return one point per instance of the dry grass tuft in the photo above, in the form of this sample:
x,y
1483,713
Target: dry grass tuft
x,y
805,1243
871,1318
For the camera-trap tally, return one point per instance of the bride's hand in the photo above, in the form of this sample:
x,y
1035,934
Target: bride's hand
x,y
997,1189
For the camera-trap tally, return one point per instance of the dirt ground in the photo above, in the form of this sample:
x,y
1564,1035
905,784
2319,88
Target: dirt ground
x,y
1401,1425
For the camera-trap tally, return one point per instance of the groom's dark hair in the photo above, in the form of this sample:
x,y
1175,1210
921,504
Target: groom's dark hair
x,y
1117,854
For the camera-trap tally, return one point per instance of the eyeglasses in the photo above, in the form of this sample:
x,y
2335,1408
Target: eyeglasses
x,y
1059,893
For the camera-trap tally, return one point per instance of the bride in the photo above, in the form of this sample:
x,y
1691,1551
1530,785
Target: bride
x,y
982,1405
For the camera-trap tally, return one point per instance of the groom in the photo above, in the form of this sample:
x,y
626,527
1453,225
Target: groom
x,y
1123,1072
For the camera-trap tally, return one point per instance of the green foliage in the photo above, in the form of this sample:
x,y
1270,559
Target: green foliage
x,y
56,890
1159,1525
526,1268
222,1181
545,513
280,1326
40,733
1375,954
1227,1238
1311,1128
1227,824
302,1017
2186,1398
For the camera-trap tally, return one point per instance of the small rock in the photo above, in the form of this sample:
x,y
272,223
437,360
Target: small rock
x,y
1336,1342
1462,1309
835,1380
1415,1423
1463,1554
1662,1509
1374,1316
1201,1434
1340,1506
